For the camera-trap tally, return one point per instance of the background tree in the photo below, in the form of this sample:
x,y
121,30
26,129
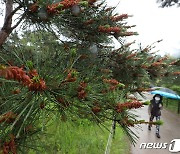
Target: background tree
x,y
168,3
172,81
171,78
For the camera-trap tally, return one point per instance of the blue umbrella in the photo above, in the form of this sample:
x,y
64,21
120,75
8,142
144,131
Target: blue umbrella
x,y
166,94
164,89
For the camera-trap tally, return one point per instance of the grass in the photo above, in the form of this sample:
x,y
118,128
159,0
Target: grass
x,y
171,104
82,137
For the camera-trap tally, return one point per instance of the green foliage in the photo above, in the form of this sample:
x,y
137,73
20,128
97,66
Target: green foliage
x,y
56,64
146,103
170,78
33,108
80,136
171,104
159,122
176,88
66,67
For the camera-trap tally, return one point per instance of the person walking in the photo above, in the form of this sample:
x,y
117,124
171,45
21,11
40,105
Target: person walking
x,y
154,110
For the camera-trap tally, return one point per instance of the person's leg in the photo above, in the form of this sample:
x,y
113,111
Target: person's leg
x,y
150,120
157,127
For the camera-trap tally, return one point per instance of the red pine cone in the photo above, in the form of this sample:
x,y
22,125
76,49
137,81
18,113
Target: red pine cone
x,y
143,89
111,81
120,17
82,94
104,29
131,55
18,74
174,62
127,122
8,117
81,90
70,78
29,128
96,109
42,105
176,73
54,8
15,73
156,64
120,107
69,3
17,91
34,7
38,86
9,146
88,22
91,2
32,73
63,102
112,88
144,66
82,86
162,59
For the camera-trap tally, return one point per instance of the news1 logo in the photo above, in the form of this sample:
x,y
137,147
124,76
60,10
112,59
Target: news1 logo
x,y
174,146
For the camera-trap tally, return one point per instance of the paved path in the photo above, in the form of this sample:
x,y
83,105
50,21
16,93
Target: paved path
x,y
169,130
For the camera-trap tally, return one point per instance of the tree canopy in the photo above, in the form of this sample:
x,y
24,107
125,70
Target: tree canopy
x,y
169,3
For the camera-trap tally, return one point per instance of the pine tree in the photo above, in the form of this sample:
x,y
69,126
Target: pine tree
x,y
169,3
64,65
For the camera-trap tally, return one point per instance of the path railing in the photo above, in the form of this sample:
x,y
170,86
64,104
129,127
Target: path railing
x,y
110,138
167,104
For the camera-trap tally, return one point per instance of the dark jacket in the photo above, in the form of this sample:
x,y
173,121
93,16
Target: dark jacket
x,y
155,108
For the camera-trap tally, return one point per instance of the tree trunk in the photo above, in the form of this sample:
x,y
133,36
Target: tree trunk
x,y
6,29
3,36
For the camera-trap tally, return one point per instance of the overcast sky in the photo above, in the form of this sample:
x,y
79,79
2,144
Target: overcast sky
x,y
152,23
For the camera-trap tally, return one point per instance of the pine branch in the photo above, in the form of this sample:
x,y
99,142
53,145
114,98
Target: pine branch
x,y
19,21
9,15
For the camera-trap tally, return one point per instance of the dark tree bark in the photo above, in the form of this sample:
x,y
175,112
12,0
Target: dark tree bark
x,y
6,29
7,26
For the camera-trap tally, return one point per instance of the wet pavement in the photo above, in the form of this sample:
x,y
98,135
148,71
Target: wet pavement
x,y
169,130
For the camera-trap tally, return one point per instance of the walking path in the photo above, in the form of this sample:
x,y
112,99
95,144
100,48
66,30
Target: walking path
x,y
169,130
